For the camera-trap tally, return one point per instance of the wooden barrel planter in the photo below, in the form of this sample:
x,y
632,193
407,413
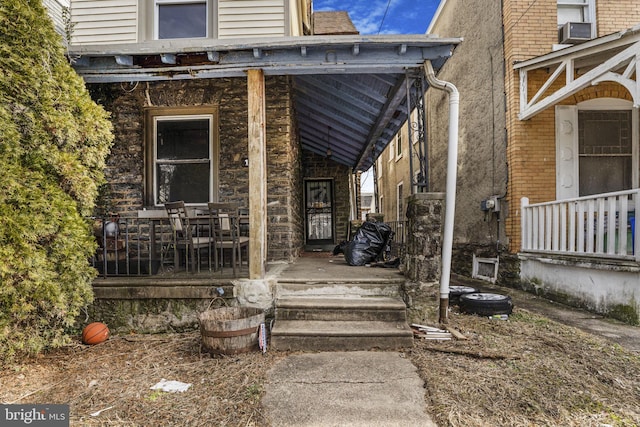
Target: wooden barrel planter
x,y
230,330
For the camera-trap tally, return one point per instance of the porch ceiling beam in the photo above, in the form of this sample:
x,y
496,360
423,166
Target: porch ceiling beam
x,y
111,75
313,114
103,66
392,106
318,133
318,88
365,42
313,139
603,72
356,86
347,136
358,119
319,146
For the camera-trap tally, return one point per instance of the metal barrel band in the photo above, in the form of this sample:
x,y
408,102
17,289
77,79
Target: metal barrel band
x,y
229,334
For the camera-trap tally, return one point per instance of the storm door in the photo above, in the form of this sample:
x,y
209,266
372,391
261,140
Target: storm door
x,y
319,214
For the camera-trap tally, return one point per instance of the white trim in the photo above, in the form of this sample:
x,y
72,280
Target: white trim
x,y
400,200
436,16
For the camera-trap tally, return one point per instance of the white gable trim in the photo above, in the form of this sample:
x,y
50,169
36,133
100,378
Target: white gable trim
x,y
627,60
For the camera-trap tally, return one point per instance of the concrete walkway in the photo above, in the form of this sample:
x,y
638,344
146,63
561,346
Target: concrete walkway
x,y
383,388
357,388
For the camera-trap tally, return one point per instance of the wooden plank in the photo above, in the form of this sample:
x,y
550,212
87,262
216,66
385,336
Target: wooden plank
x,y
456,333
257,174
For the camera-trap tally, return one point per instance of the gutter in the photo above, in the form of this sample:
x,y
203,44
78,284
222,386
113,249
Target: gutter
x,y
450,198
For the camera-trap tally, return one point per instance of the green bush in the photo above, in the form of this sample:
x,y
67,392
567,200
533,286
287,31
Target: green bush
x,y
53,143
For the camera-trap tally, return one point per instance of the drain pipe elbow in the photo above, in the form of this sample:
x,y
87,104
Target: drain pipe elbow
x,y
450,199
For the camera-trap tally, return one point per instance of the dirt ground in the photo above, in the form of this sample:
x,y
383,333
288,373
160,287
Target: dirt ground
x,y
525,371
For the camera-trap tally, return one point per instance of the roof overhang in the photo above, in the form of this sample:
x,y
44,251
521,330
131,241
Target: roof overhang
x,y
615,57
350,92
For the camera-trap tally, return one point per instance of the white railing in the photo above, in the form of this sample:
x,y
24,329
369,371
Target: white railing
x,y
602,225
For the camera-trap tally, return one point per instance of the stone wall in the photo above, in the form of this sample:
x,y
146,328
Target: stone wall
x,y
425,220
321,167
125,190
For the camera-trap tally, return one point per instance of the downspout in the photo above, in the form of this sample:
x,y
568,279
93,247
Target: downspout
x,y
450,200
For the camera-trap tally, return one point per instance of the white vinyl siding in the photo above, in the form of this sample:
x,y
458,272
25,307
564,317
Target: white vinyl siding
x,y
251,18
104,21
54,7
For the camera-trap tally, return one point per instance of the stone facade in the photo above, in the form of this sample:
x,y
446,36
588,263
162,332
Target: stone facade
x,y
318,167
126,190
425,216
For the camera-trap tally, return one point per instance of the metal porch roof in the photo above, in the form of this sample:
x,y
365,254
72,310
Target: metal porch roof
x,y
350,92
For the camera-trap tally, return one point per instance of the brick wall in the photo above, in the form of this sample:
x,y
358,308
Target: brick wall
x,y
616,15
125,192
531,151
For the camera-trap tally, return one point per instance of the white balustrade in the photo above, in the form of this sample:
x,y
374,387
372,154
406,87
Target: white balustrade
x,y
601,225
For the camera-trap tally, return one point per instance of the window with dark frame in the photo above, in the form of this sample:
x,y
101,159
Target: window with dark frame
x,y
181,155
605,151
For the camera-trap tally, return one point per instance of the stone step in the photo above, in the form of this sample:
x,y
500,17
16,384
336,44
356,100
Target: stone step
x,y
318,335
350,308
337,288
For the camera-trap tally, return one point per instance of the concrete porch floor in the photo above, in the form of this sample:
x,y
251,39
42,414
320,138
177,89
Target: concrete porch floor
x,y
310,267
324,266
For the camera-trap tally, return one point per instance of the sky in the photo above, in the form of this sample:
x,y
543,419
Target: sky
x,y
402,16
383,17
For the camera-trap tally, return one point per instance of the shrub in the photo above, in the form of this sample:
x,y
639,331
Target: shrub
x,y
53,143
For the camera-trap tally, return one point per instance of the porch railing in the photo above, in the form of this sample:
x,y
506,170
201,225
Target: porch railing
x,y
131,246
602,225
399,241
135,246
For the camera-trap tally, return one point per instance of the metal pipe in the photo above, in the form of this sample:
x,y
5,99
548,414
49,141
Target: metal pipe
x,y
450,199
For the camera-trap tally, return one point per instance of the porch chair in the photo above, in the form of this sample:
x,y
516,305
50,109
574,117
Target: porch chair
x,y
226,229
184,237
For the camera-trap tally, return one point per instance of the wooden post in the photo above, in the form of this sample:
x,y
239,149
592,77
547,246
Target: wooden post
x,y
257,174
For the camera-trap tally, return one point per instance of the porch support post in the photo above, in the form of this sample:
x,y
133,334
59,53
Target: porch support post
x,y
257,174
450,200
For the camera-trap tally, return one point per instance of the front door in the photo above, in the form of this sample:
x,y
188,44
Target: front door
x,y
319,214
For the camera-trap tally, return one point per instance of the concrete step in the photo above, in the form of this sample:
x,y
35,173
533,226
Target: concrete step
x,y
318,335
350,308
389,288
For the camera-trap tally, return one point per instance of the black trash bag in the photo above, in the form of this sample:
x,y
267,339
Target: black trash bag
x,y
368,244
339,249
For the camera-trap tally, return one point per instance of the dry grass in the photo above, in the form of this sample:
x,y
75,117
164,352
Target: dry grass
x,y
116,377
527,371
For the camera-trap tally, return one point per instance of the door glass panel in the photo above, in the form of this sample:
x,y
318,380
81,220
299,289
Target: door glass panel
x,y
319,210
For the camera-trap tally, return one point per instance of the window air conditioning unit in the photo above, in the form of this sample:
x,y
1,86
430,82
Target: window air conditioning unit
x,y
574,32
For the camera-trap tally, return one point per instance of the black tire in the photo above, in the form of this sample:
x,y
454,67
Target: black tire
x,y
456,291
485,304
